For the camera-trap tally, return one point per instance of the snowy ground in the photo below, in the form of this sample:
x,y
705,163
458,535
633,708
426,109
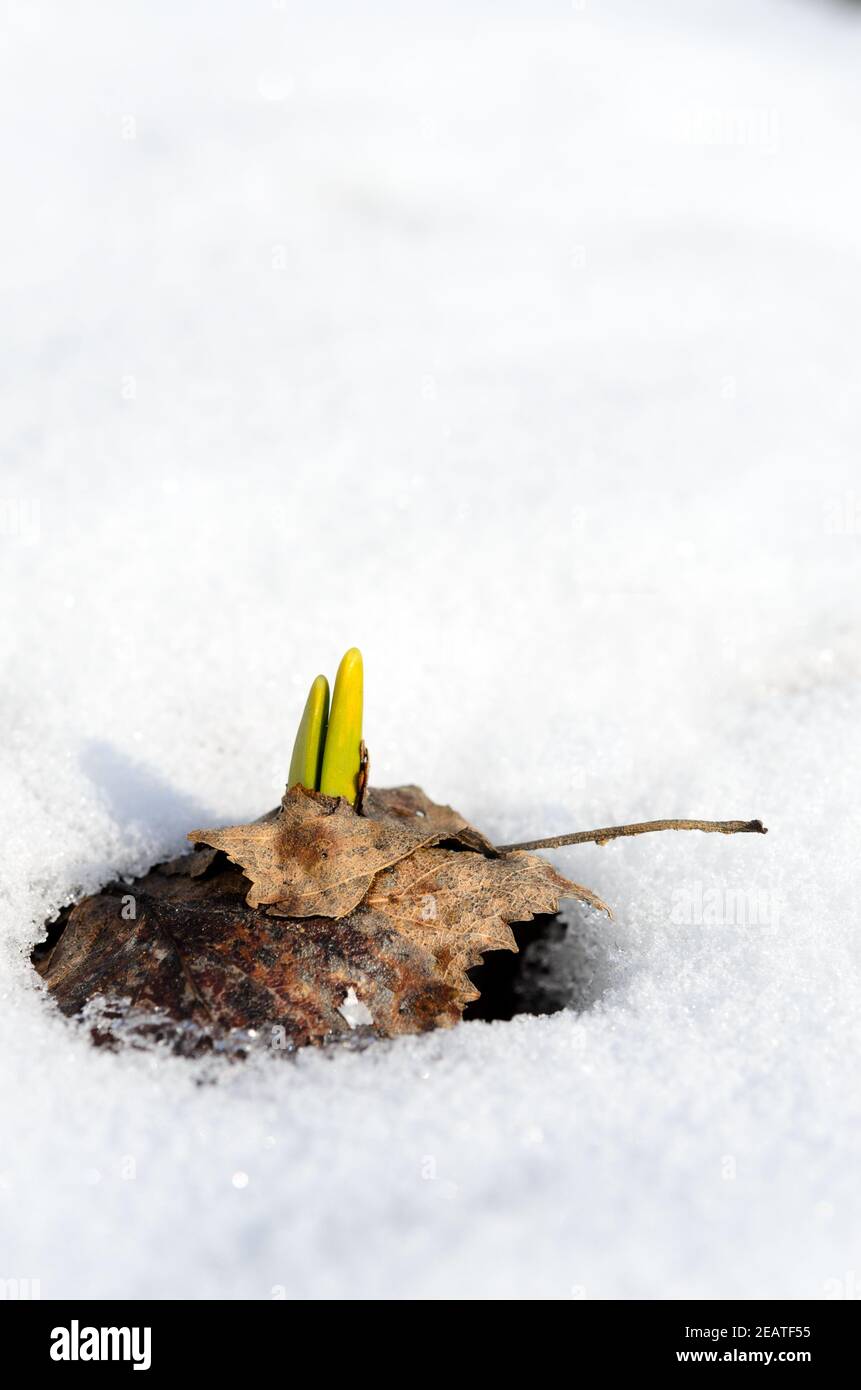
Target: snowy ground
x,y
520,347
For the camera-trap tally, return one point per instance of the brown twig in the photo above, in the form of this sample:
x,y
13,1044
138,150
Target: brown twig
x,y
615,832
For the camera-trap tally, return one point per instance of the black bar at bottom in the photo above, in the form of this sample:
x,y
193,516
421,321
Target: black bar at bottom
x,y
259,1338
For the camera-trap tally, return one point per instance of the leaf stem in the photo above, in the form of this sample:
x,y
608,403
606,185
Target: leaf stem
x,y
615,832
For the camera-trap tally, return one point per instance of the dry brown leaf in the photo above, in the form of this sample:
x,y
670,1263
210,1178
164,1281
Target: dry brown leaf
x,y
317,858
414,806
200,969
371,919
457,906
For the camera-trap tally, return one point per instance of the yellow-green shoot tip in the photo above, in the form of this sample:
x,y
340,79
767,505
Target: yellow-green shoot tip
x,y
341,755
307,759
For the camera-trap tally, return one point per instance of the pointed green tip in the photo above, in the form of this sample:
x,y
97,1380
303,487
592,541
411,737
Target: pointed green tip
x,y
341,755
307,759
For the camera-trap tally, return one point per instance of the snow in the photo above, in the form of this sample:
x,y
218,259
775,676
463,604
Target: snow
x,y
354,1011
518,346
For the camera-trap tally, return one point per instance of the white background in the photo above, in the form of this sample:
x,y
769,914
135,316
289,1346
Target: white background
x,y
518,346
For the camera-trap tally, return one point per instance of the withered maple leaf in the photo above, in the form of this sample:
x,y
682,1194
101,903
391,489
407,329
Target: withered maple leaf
x,y
317,858
322,910
457,906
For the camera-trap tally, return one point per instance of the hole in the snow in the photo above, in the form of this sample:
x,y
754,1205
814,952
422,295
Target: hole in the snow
x,y
566,961
53,931
507,981
562,963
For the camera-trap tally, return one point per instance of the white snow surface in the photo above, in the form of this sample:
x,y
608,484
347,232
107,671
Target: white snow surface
x,y
518,346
